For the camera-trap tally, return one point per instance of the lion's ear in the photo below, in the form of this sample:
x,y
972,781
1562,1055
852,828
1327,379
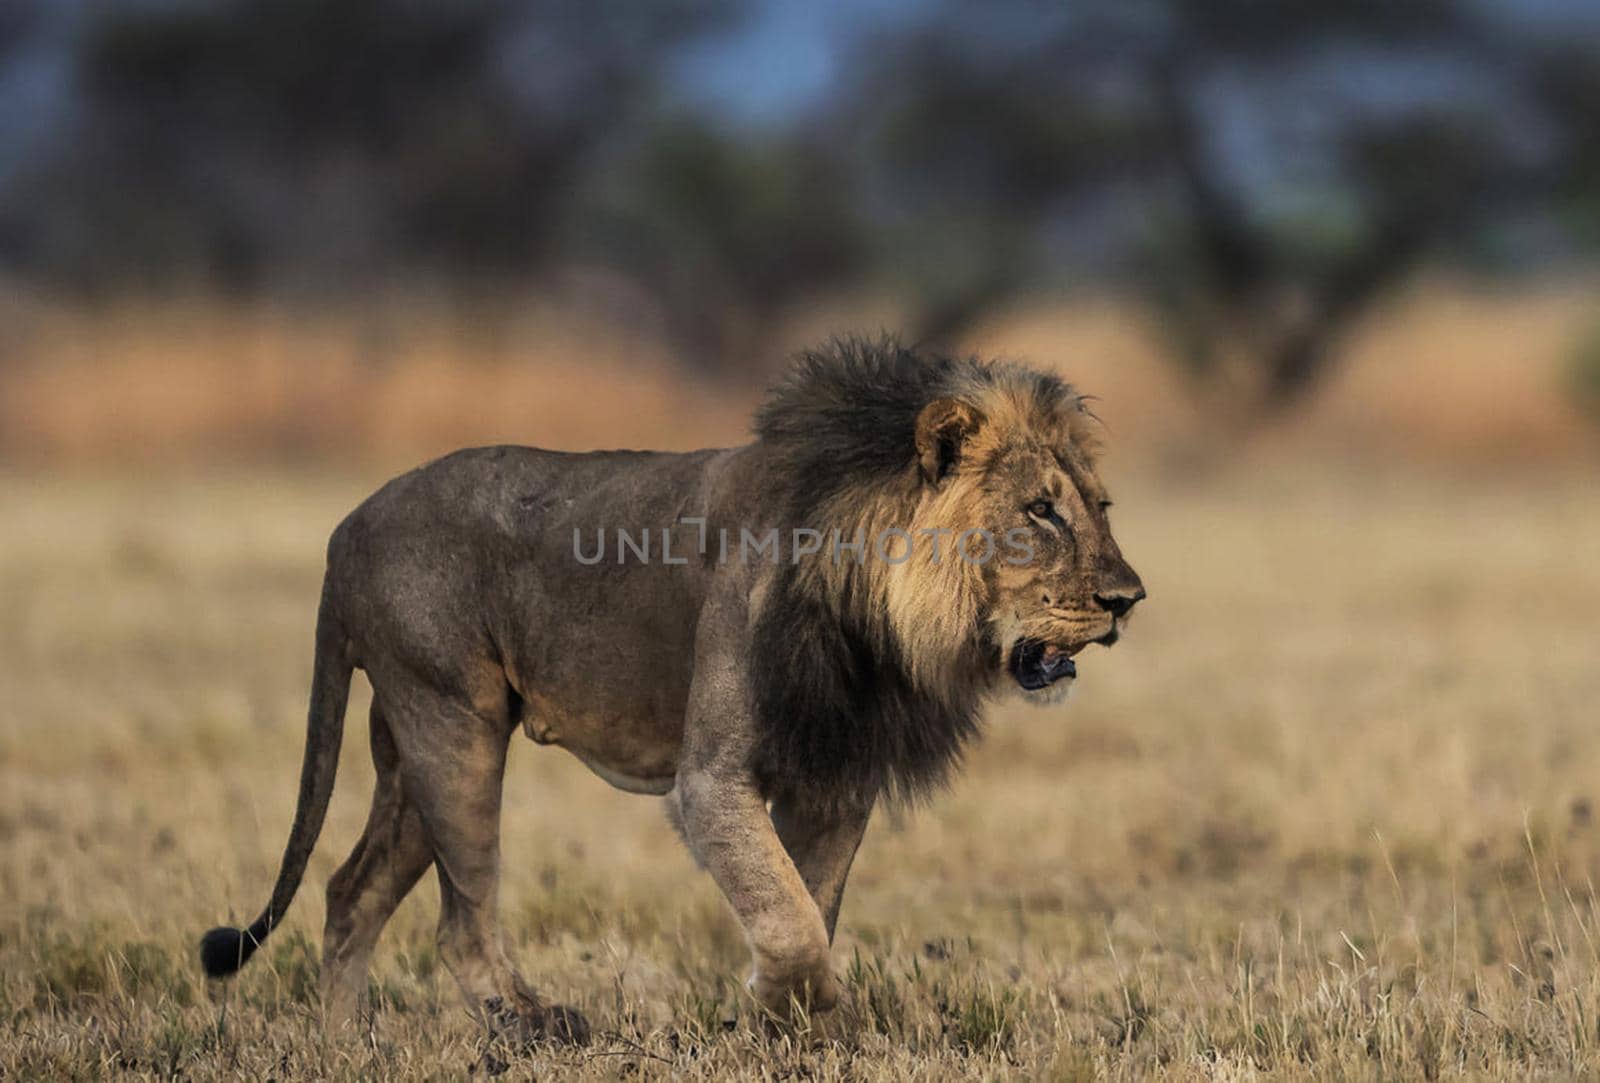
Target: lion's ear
x,y
942,427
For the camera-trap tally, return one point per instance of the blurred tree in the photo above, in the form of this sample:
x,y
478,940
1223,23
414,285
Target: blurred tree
x,y
313,145
1261,173
727,232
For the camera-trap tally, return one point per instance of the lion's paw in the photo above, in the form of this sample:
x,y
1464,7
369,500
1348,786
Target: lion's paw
x,y
534,1024
815,987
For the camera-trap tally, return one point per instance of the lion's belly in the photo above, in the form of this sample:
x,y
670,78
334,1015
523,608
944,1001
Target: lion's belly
x,y
635,753
656,785
602,654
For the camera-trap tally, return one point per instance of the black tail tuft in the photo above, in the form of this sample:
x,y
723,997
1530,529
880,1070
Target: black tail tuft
x,y
224,950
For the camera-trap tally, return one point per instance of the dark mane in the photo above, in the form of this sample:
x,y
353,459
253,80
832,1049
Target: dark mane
x,y
846,414
840,718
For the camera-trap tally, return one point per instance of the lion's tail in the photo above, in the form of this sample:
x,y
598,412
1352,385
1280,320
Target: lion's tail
x,y
224,950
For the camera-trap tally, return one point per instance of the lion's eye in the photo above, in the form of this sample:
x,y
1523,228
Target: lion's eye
x,y
1042,509
1105,505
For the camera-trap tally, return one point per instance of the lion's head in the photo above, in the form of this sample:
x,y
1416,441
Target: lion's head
x,y
969,552
1006,461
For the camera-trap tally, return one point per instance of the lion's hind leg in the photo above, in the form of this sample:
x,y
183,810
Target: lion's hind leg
x,y
453,763
388,860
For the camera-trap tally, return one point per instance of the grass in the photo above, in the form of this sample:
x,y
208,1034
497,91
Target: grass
x,y
1328,811
1447,370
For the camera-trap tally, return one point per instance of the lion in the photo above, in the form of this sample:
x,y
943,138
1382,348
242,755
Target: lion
x,y
778,637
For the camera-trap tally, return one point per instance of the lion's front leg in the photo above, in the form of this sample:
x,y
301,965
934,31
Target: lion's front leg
x,y
822,839
726,823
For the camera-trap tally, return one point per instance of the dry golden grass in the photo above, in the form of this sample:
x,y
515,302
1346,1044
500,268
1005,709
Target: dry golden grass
x,y
1328,811
175,382
1446,372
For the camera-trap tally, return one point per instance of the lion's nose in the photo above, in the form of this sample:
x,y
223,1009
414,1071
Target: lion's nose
x,y
1120,601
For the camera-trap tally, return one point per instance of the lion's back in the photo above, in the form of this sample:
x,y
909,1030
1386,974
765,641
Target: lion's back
x,y
422,563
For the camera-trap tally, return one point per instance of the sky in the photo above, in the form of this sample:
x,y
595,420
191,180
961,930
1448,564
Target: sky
x,y
781,58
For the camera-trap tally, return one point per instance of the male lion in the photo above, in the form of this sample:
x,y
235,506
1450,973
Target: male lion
x,y
792,631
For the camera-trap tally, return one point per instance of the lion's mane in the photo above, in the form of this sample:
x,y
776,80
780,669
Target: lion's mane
x,y
869,677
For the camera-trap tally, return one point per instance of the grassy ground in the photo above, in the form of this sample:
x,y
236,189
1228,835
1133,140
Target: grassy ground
x,y
1445,371
1329,810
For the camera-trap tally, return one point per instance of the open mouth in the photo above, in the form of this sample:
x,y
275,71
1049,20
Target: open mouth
x,y
1036,664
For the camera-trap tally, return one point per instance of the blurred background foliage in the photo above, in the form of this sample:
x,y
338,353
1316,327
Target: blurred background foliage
x,y
1254,175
